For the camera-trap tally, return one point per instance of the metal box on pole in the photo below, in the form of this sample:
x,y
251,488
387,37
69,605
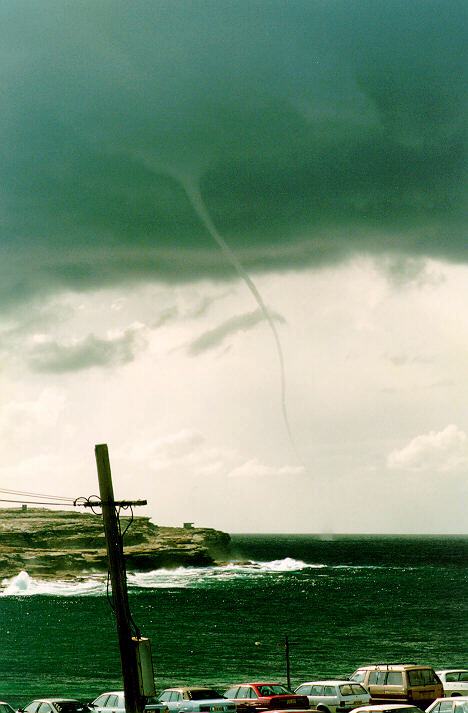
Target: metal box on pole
x,y
144,666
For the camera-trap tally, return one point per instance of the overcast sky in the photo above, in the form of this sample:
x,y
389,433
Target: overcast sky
x,y
233,247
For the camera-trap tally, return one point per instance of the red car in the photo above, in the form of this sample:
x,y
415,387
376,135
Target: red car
x,y
265,695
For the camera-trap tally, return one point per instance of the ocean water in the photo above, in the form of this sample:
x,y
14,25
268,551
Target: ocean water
x,y
343,601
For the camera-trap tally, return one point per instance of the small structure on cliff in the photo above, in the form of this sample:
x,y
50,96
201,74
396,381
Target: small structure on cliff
x,y
61,544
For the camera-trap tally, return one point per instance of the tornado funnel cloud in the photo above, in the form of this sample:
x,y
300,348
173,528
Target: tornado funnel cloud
x,y
192,190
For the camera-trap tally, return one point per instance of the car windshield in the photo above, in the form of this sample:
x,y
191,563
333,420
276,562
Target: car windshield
x,y
69,706
203,694
273,689
422,677
358,677
352,689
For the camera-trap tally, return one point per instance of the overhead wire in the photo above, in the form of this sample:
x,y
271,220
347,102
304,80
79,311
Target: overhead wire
x,y
37,502
28,493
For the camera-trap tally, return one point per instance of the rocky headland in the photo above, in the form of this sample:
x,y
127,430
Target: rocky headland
x,y
56,544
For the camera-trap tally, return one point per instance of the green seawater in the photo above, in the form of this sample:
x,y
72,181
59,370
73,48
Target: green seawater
x,y
343,601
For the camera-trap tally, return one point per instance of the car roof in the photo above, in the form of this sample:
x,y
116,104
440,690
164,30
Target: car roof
x,y
258,683
452,670
190,688
328,681
56,700
385,706
385,666
454,699
110,693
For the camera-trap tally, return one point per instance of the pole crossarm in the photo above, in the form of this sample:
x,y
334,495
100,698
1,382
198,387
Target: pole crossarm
x,y
118,503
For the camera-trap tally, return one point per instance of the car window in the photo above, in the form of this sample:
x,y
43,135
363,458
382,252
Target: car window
x,y
243,692
357,676
394,678
231,692
251,692
101,700
44,708
203,694
377,678
329,691
446,706
5,708
279,690
463,676
346,690
69,706
111,702
316,691
303,690
460,706
32,707
422,677
165,695
358,690
451,677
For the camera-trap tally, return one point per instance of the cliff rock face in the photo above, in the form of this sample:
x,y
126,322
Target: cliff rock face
x,y
60,544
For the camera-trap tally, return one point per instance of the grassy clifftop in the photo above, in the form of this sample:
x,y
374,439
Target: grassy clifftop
x,y
62,544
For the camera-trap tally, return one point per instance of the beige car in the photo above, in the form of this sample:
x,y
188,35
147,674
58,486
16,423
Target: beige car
x,y
400,683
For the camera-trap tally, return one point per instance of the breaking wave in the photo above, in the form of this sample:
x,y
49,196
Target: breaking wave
x,y
25,585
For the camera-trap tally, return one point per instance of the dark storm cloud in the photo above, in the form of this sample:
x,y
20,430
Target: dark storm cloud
x,y
240,323
317,129
92,351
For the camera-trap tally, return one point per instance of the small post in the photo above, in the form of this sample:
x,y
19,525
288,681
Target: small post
x,y
288,663
133,700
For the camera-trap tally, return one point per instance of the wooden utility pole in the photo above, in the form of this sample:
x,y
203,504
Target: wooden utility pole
x,y
134,702
288,662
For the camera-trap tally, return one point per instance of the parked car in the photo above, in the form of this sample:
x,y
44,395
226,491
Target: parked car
x,y
114,702
400,683
453,704
335,696
388,708
110,702
6,708
265,695
55,705
152,704
206,700
454,681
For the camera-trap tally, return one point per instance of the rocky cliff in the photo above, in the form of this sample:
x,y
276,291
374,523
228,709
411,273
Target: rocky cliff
x,y
59,544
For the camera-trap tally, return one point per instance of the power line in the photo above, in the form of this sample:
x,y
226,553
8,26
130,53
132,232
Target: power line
x,y
36,495
37,502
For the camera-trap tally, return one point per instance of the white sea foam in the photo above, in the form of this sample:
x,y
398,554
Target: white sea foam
x,y
24,585
179,577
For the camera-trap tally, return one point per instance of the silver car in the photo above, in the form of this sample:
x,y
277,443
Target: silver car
x,y
454,681
55,705
453,704
335,696
203,700
114,702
